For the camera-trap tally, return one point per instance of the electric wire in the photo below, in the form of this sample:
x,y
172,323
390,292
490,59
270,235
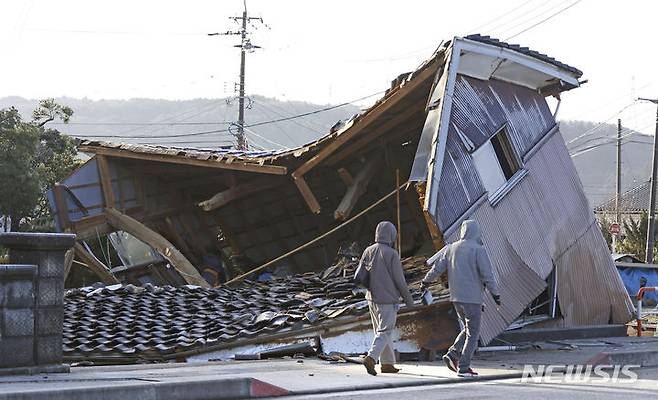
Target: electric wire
x,y
544,20
227,130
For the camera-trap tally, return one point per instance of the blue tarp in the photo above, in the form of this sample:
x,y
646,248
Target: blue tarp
x,y
631,278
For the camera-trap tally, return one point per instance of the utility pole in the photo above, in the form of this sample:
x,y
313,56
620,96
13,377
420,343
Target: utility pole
x,y
245,46
652,198
618,187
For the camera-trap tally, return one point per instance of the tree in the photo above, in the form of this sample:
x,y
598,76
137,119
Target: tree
x,y
32,158
635,238
604,224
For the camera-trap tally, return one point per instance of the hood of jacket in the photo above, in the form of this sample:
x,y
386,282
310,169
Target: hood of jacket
x,y
471,231
386,233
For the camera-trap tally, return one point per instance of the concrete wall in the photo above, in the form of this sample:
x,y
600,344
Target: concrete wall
x,y
32,299
17,315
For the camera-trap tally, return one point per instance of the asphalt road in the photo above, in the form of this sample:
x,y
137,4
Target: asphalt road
x,y
645,387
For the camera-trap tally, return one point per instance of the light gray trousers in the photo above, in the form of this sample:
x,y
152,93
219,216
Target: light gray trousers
x,y
466,342
383,323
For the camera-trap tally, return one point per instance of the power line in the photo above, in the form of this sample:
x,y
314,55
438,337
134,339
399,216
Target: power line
x,y
249,125
498,17
607,143
139,123
597,126
266,139
540,11
544,20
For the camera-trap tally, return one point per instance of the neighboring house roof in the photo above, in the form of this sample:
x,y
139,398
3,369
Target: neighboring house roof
x,y
633,201
157,322
625,258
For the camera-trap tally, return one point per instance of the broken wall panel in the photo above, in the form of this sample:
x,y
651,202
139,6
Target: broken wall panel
x,y
533,230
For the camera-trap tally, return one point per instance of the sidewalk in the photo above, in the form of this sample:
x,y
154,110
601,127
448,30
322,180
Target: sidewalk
x,y
249,379
223,380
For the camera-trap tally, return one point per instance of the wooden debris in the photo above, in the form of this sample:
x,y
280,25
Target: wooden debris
x,y
158,242
356,189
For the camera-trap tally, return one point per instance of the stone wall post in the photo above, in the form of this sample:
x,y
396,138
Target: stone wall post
x,y
43,254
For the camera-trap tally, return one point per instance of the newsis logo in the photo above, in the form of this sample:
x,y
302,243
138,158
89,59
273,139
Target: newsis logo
x,y
560,373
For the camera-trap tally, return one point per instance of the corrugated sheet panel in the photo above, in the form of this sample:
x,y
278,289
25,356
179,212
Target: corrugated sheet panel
x,y
480,109
546,221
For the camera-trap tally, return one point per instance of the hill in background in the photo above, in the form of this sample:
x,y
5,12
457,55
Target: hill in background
x,y
185,123
192,122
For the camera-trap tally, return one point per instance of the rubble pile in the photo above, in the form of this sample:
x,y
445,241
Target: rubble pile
x,y
151,322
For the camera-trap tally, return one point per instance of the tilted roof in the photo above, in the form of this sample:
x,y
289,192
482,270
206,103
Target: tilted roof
x,y
267,157
525,50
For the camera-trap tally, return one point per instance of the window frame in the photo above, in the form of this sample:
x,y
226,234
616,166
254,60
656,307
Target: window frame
x,y
503,148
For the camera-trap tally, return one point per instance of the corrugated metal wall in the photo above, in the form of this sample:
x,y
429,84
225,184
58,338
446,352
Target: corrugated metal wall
x,y
479,110
545,220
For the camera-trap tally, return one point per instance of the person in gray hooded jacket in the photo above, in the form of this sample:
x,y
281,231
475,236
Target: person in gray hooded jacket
x,y
469,273
385,288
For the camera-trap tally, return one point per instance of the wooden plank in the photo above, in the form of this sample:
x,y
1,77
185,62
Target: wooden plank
x,y
106,180
356,189
435,232
308,195
236,165
415,209
179,241
94,264
237,192
62,207
68,261
163,246
345,176
394,98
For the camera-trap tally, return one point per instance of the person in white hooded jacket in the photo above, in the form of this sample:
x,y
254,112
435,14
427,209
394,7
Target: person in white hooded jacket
x,y
469,274
386,287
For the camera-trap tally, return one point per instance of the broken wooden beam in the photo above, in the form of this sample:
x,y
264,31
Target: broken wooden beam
x,y
435,233
356,189
62,207
345,176
307,194
158,242
68,261
165,158
94,264
236,192
106,180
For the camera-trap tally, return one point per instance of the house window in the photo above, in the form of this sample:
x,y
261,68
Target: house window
x,y
496,162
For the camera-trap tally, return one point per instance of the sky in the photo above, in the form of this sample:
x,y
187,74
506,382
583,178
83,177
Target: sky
x,y
324,52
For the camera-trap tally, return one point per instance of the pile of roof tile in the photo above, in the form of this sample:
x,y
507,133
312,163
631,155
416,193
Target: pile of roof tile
x,y
153,322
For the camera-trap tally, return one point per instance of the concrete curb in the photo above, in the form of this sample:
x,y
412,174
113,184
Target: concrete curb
x,y
526,335
211,389
642,358
215,389
428,381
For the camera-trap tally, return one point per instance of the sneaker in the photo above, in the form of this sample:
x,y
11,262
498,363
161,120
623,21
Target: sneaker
x,y
369,363
469,373
451,362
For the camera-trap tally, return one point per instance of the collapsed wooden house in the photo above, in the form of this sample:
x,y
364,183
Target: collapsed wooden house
x,y
470,134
